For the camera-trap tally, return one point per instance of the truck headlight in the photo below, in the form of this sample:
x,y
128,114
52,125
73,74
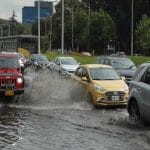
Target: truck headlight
x,y
19,80
99,89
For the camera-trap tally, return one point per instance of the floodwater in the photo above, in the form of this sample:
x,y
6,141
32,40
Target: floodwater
x,y
53,114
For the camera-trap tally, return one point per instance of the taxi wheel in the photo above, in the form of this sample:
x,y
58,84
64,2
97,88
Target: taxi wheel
x,y
89,98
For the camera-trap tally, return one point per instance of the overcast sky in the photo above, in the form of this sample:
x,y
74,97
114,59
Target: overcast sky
x,y
7,7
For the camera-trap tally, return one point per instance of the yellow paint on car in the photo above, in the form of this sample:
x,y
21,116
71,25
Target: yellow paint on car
x,y
104,92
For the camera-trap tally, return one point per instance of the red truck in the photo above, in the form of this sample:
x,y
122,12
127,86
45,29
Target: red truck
x,y
11,78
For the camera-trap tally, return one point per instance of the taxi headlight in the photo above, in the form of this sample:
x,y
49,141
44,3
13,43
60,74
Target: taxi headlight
x,y
99,88
125,88
19,80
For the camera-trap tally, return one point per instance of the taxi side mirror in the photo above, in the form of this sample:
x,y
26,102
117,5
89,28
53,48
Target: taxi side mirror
x,y
123,78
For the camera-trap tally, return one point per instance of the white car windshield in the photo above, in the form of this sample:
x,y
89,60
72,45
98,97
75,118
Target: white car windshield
x,y
103,74
68,61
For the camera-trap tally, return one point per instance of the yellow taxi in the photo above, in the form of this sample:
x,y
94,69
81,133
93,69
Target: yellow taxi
x,y
103,85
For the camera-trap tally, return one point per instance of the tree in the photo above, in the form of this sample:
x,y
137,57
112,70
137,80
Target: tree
x,y
143,36
26,28
120,11
102,30
80,25
81,29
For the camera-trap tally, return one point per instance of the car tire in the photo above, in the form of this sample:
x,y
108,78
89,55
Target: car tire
x,y
134,113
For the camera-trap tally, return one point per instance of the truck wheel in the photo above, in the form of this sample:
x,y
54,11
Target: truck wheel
x,y
9,98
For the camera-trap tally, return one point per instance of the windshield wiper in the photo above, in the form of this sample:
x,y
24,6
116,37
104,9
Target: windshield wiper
x,y
109,79
97,79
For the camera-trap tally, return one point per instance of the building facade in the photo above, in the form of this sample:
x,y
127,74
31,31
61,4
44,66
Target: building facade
x,y
30,13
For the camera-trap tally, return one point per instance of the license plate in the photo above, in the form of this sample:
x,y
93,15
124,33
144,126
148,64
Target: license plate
x,y
115,98
9,93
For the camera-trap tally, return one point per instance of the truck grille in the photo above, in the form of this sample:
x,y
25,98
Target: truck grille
x,y
7,80
119,94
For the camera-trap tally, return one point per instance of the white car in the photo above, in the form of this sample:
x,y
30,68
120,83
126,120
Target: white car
x,y
64,65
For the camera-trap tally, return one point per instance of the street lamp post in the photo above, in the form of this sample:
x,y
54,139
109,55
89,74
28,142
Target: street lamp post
x,y
62,29
132,10
50,34
39,27
72,27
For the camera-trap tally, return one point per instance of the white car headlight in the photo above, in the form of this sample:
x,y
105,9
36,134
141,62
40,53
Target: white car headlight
x,y
19,80
63,69
99,89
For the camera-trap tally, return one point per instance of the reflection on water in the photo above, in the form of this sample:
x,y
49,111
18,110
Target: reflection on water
x,y
9,126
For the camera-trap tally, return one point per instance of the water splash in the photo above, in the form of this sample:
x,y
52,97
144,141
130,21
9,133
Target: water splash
x,y
50,91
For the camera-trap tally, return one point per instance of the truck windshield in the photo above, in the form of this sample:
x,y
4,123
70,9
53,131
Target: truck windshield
x,y
8,63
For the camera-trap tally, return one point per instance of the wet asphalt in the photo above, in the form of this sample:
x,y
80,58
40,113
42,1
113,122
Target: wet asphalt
x,y
53,114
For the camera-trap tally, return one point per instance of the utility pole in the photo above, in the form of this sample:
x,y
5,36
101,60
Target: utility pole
x,y
132,24
39,27
50,34
62,29
72,27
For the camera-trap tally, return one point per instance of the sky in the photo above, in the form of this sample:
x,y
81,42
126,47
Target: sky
x,y
7,7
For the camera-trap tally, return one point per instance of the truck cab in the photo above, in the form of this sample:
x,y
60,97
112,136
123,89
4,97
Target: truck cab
x,y
11,78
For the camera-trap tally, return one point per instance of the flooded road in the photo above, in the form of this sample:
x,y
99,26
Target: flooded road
x,y
53,114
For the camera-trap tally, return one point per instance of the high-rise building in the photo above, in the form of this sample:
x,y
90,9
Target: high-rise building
x,y
30,13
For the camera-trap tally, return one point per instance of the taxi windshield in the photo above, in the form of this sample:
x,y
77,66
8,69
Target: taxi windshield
x,y
103,74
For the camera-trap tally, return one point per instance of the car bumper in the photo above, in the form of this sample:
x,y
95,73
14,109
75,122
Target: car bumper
x,y
15,92
104,101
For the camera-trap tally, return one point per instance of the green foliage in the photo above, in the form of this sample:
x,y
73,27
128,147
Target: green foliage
x,y
44,43
139,59
109,20
26,28
92,59
102,30
43,25
79,25
81,28
143,35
